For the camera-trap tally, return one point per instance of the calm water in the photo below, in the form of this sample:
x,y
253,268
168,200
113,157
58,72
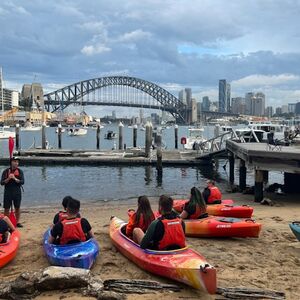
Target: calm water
x,y
48,185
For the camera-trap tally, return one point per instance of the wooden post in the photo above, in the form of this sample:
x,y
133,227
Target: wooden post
x,y
231,167
159,154
98,136
265,176
134,135
121,135
243,175
44,136
147,139
18,136
176,136
258,187
59,136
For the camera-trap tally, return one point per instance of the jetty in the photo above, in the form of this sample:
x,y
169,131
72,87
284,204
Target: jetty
x,y
262,158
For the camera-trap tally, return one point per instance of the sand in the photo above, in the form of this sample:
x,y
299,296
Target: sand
x,y
270,262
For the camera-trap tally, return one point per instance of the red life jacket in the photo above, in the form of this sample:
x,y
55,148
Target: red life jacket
x,y
15,172
72,230
173,234
62,215
215,194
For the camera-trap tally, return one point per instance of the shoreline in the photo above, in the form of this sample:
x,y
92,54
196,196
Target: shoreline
x,y
271,261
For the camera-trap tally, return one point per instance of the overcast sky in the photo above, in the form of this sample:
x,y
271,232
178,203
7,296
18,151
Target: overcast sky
x,y
255,45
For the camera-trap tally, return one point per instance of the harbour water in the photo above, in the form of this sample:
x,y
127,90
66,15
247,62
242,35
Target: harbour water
x,y
48,185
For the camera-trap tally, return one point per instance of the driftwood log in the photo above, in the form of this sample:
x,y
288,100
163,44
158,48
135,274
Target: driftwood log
x,y
249,293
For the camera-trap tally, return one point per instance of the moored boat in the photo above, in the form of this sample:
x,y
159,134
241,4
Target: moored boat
x,y
77,131
77,255
295,227
9,250
183,265
6,134
224,210
222,227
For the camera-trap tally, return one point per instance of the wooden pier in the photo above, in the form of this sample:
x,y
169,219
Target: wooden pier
x,y
264,158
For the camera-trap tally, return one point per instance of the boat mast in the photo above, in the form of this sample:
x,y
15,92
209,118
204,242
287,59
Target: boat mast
x,y
2,102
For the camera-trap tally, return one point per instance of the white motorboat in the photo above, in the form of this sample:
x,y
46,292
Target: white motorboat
x,y
110,135
77,131
266,127
6,134
29,127
195,140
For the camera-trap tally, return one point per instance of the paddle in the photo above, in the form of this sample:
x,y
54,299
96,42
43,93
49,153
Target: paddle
x,y
12,217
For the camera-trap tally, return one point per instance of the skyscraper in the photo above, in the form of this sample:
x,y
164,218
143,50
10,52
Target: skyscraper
x,y
205,103
224,96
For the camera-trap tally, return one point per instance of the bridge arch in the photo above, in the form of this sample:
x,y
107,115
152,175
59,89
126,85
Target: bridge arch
x,y
75,92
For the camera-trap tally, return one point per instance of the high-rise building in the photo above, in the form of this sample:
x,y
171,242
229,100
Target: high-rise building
x,y
222,95
182,96
269,111
297,108
205,103
278,111
284,109
248,101
199,110
291,107
228,97
188,92
238,105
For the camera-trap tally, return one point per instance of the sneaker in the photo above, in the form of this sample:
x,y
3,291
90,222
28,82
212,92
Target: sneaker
x,y
5,237
19,225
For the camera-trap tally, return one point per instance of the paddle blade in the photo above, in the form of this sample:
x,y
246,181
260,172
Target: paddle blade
x,y
11,144
12,218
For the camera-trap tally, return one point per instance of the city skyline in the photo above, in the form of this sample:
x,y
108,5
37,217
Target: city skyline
x,y
172,43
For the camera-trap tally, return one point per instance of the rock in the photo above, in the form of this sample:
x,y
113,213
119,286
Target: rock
x,y
267,201
25,283
94,288
108,295
54,278
5,290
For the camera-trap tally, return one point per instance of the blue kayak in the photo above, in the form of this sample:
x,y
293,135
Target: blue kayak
x,y
78,255
295,227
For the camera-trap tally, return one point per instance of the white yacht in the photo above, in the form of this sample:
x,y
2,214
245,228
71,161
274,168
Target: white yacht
x,y
195,137
6,134
77,131
266,127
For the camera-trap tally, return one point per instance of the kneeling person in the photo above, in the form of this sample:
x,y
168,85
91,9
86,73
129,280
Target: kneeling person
x,y
72,229
164,233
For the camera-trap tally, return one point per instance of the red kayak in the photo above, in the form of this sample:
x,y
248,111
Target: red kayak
x,y
9,250
222,227
183,265
224,210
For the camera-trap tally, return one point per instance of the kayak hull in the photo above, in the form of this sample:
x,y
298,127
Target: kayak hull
x,y
183,265
78,255
222,227
295,227
9,250
224,210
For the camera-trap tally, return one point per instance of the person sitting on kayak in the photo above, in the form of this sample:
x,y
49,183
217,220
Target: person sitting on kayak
x,y
72,229
6,227
142,218
62,214
195,208
164,233
211,193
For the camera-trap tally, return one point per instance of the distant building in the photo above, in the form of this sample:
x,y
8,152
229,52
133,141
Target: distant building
x,y
182,96
32,96
205,103
284,109
278,111
248,101
10,99
224,96
199,110
269,111
155,119
297,108
292,107
238,105
194,111
188,92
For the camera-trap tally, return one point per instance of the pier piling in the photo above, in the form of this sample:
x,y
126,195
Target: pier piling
x,y
121,135
258,187
148,139
159,154
134,135
231,167
243,174
18,136
176,136
59,136
98,136
44,136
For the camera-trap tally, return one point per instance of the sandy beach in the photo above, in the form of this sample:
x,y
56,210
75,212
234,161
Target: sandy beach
x,y
270,262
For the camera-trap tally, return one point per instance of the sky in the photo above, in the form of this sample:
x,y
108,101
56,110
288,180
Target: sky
x,y
254,45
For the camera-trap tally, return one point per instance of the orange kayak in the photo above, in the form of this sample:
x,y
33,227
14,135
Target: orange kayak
x,y
183,265
224,210
9,250
222,227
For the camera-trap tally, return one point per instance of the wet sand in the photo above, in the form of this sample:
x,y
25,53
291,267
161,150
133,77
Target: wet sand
x,y
270,262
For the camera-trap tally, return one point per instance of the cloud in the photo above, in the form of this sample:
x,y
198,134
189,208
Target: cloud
x,y
92,50
134,36
265,80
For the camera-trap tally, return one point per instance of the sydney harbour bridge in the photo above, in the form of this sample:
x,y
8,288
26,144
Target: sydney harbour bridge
x,y
119,91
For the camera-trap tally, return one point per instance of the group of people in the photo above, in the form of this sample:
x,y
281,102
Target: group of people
x,y
162,231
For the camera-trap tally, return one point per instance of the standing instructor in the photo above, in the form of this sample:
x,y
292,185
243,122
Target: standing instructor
x,y
12,179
